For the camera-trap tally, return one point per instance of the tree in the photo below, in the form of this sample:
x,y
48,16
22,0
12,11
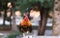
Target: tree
x,y
45,8
56,18
3,4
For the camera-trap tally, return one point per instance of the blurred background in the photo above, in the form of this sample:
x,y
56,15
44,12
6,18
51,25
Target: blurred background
x,y
13,11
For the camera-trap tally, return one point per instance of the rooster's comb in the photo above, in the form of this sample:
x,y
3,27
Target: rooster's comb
x,y
26,18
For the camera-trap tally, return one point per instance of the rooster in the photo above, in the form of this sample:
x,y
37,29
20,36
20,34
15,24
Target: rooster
x,y
25,25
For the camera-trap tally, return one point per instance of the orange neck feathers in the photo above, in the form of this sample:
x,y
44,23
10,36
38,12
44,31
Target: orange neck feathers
x,y
26,21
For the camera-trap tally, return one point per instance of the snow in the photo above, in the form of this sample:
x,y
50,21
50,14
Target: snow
x,y
6,22
1,21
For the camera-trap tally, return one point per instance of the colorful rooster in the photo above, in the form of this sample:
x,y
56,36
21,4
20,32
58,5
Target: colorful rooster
x,y
25,25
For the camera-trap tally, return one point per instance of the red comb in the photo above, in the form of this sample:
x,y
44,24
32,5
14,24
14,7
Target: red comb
x,y
26,18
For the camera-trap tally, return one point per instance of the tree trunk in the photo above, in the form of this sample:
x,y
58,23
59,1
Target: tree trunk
x,y
42,27
56,18
5,10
